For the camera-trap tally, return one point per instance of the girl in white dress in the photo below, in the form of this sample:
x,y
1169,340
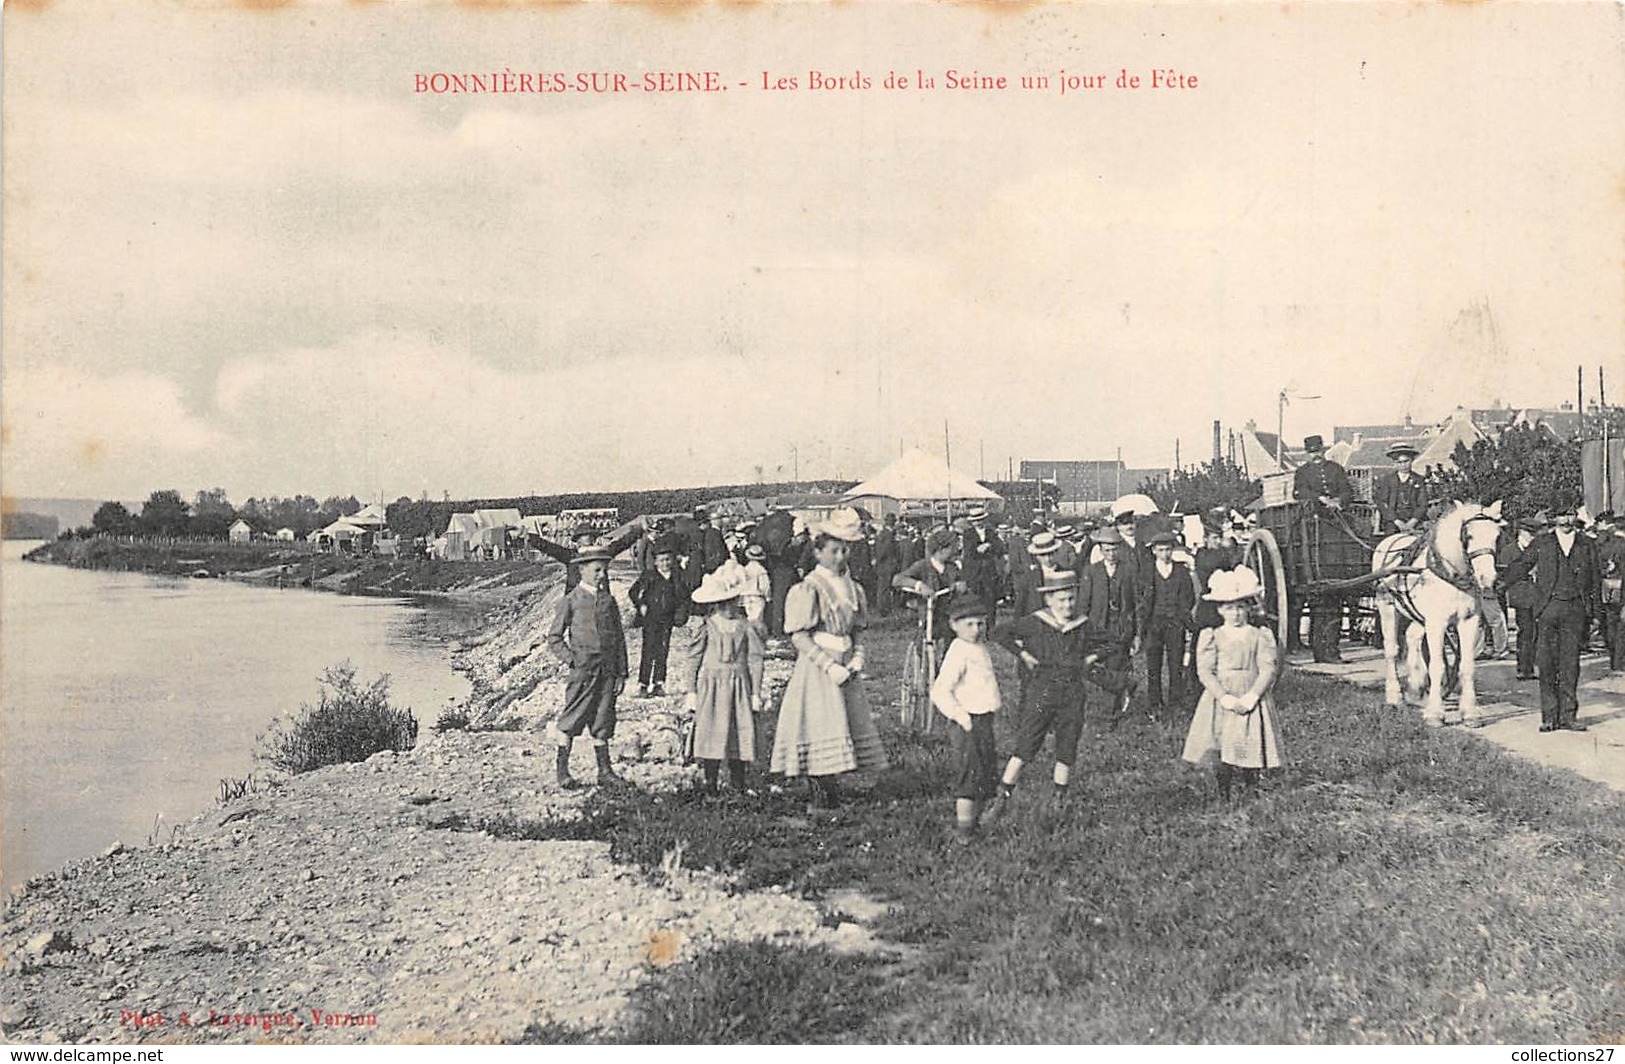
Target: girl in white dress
x,y
1237,665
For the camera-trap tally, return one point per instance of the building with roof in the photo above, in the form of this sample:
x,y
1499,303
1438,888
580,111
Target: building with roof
x,y
1087,485
240,532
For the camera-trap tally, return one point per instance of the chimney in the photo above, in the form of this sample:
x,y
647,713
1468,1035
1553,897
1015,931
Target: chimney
x,y
1408,425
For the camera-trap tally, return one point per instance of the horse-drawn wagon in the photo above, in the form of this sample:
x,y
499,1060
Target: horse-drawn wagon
x,y
1311,559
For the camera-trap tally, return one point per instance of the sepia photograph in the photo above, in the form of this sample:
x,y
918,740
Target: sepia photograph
x,y
606,523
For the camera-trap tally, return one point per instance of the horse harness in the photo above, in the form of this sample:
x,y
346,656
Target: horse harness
x,y
1435,564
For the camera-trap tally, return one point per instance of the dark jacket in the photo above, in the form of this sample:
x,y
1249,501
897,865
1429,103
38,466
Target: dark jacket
x,y
660,602
567,554
1399,502
1108,602
1181,592
1058,650
1544,556
1520,596
1314,479
926,573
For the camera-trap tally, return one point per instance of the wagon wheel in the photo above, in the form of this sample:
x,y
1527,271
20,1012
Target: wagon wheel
x,y
1263,557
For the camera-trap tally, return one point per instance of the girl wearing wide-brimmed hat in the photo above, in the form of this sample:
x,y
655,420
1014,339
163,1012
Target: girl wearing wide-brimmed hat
x,y
725,680
825,726
1237,664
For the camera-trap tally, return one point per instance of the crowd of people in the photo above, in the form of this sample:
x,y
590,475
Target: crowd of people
x,y
1082,600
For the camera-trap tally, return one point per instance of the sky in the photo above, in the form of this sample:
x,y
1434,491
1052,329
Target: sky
x,y
242,251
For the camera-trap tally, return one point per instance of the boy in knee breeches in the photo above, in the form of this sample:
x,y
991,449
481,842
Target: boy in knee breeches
x,y
586,635
1055,648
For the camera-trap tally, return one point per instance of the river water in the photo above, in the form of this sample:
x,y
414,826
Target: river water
x,y
126,698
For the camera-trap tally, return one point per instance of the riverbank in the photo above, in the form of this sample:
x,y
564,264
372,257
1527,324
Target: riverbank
x,y
454,894
285,566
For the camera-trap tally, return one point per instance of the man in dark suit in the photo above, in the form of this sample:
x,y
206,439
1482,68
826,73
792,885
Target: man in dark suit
x,y
712,546
982,555
887,558
1568,592
1400,495
1320,483
1166,618
1107,599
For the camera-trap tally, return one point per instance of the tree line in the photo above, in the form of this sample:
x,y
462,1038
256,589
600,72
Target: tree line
x,y
211,514
1529,467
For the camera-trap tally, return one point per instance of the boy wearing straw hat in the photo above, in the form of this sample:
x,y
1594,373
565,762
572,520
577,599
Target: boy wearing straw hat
x,y
587,636
1055,647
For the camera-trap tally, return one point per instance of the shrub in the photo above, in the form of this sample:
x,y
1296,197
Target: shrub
x,y
349,722
452,718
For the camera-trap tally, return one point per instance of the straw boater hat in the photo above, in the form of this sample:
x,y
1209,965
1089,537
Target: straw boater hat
x,y
843,524
1063,531
1058,580
720,586
1235,585
1407,450
1043,543
755,550
978,513
594,553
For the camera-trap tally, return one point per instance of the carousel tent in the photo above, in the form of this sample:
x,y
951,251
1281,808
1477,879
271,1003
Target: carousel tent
x,y
917,477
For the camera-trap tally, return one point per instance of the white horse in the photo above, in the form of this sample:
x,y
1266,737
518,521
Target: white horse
x,y
1436,578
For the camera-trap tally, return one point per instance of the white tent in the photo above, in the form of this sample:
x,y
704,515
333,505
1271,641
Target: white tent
x,y
917,477
369,516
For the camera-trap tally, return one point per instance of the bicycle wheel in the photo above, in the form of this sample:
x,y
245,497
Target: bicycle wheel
x,y
916,690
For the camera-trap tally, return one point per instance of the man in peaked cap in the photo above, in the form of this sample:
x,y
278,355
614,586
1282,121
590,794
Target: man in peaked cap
x,y
1321,483
1400,494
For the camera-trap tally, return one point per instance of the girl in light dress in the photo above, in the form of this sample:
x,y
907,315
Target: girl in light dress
x,y
725,681
1237,664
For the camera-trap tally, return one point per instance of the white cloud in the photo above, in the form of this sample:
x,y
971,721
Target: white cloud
x,y
69,432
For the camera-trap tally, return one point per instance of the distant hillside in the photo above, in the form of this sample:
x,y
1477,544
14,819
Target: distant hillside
x,y
69,513
19,525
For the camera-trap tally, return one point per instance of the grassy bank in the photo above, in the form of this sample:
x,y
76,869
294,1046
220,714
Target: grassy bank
x,y
1392,884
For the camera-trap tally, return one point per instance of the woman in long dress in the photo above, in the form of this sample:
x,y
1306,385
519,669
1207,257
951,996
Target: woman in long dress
x,y
1237,665
825,726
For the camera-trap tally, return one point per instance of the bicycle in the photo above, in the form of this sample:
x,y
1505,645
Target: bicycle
x,y
920,669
